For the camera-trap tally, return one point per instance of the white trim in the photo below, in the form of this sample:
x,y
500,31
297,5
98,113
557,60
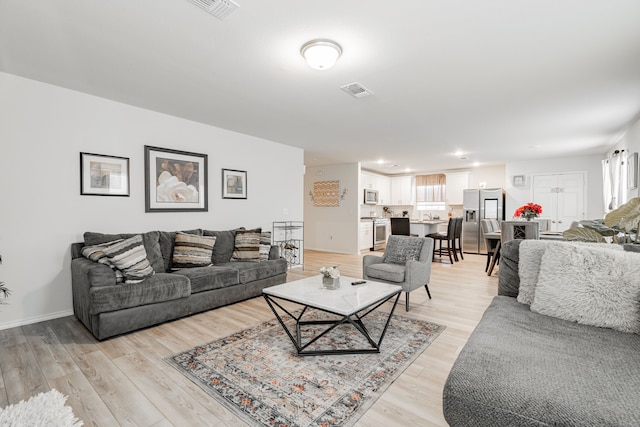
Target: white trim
x,y
36,319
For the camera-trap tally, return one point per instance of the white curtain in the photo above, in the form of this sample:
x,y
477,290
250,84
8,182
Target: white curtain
x,y
614,180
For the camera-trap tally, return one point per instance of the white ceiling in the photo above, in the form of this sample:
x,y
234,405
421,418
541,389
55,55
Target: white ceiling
x,y
500,80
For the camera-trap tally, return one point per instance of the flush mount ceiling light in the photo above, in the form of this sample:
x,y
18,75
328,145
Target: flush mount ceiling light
x,y
321,54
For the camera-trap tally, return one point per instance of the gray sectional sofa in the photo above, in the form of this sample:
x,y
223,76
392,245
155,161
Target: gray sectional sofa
x,y
522,368
108,308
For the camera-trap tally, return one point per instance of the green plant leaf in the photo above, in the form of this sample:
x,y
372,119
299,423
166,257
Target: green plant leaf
x,y
626,217
583,234
598,225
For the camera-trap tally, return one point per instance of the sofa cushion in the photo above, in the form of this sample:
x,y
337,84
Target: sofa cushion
x,y
591,285
151,245
167,240
192,251
158,288
130,257
251,271
401,249
96,253
519,368
247,246
210,277
386,271
225,242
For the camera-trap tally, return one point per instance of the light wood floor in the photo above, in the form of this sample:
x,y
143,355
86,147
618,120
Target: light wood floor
x,y
125,382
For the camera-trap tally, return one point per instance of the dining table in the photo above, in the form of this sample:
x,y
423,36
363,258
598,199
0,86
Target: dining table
x,y
494,238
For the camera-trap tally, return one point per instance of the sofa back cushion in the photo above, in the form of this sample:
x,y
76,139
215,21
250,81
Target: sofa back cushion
x,y
508,278
225,242
151,241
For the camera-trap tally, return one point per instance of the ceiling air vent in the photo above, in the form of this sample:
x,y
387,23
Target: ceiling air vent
x,y
218,8
357,90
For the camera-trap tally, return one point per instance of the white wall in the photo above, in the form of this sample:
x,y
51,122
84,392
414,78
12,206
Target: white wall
x,y
630,142
493,176
333,229
517,196
43,128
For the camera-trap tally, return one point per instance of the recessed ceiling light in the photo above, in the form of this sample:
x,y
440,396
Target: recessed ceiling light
x,y
458,153
381,162
476,164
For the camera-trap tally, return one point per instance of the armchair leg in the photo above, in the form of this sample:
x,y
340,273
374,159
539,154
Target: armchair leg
x,y
427,288
407,303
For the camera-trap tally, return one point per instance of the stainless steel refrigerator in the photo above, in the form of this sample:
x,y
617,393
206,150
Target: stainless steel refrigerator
x,y
480,204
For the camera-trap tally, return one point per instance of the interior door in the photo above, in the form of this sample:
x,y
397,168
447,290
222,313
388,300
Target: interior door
x,y
561,197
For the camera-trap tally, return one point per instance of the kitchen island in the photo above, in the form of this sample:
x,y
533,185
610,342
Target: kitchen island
x,y
424,228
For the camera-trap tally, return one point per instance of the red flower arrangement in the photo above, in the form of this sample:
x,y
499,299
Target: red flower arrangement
x,y
528,211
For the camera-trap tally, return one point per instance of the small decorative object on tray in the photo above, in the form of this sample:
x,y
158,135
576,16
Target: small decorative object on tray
x,y
528,211
330,277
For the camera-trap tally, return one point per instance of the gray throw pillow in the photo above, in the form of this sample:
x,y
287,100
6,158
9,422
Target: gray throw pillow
x,y
401,249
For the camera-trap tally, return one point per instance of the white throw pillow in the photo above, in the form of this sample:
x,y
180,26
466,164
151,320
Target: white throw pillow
x,y
591,285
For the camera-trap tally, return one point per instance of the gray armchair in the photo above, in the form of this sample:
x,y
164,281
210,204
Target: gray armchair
x,y
406,262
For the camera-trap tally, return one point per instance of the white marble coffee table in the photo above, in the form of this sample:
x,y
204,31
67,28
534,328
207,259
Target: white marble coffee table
x,y
349,303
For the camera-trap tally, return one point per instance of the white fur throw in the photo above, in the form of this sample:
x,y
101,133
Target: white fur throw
x,y
591,285
45,409
531,252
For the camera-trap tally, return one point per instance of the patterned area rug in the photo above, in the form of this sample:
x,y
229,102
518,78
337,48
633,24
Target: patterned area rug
x,y
257,374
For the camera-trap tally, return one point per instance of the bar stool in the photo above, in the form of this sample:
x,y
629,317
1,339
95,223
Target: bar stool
x,y
447,237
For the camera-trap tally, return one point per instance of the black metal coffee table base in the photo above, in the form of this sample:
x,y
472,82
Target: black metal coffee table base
x,y
354,319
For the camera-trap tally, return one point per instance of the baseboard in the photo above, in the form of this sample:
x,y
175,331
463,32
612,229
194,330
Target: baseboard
x,y
36,319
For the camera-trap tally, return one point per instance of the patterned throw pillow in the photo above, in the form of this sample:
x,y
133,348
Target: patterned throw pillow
x,y
247,248
130,257
401,249
192,251
96,253
265,245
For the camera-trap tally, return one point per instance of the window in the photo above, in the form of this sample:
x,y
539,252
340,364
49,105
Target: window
x,y
431,192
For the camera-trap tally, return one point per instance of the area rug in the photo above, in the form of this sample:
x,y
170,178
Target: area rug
x,y
44,409
257,374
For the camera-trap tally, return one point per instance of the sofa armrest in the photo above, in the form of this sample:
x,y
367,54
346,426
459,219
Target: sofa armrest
x,y
417,274
90,273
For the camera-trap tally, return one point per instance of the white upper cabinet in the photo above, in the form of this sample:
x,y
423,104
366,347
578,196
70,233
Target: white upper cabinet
x,y
402,190
373,181
456,183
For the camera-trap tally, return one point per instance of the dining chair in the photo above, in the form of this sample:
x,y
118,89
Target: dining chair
x,y
514,230
447,237
487,226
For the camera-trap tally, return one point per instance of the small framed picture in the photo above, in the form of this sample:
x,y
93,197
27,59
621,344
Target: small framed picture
x,y
519,181
175,181
632,171
102,175
234,184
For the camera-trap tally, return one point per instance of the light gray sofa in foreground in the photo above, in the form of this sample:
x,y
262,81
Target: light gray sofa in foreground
x,y
108,308
522,368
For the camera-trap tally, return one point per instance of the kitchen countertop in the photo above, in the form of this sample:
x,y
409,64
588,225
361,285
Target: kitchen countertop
x,y
429,221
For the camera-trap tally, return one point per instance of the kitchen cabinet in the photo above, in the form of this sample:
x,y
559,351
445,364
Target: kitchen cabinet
x,y
384,189
372,181
457,182
402,192
366,235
